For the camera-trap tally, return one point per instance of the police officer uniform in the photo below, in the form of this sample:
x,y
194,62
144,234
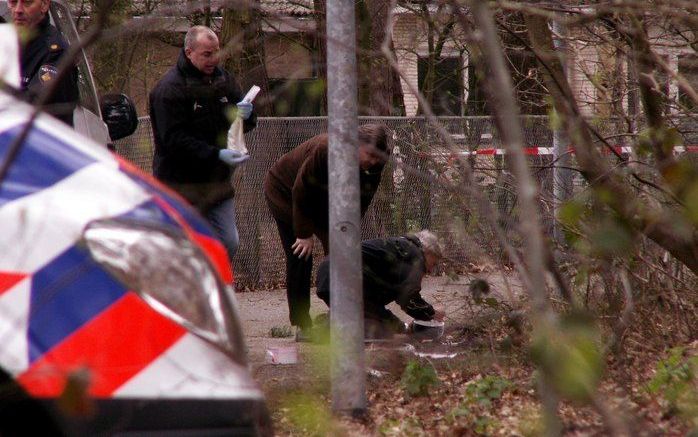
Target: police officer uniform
x,y
40,59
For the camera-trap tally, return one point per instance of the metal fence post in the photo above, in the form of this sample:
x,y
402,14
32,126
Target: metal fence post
x,y
562,175
346,304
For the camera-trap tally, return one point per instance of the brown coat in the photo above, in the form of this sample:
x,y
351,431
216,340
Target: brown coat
x,y
296,188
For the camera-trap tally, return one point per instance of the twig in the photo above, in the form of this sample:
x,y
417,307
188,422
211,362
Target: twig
x,y
619,328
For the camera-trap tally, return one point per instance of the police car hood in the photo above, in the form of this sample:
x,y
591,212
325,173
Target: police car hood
x,y
62,313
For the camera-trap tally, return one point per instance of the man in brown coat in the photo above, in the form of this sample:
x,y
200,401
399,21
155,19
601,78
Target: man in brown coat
x,y
296,189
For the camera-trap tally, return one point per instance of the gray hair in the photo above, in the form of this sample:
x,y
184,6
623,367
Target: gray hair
x,y
430,243
193,33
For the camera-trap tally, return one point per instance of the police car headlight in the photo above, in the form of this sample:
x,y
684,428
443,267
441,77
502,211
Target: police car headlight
x,y
169,272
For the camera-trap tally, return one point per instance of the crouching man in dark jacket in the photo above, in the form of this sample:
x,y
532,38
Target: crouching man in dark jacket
x,y
393,269
190,112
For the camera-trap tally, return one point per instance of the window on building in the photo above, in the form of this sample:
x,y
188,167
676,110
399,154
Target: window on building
x,y
446,85
293,83
527,82
523,65
297,97
688,69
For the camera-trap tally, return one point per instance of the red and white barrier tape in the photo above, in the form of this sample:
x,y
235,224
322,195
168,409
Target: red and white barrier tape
x,y
549,150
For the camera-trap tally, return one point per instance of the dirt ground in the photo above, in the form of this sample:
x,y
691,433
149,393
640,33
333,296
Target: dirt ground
x,y
263,310
478,379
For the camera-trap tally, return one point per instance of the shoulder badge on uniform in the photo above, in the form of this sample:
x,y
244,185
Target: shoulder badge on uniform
x,y
47,72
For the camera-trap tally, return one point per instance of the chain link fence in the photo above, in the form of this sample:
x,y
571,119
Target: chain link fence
x,y
422,187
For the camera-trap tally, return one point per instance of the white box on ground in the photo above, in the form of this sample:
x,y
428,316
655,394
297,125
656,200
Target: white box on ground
x,y
282,355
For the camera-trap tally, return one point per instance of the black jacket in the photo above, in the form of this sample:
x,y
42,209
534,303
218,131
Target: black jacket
x,y
40,58
188,112
393,269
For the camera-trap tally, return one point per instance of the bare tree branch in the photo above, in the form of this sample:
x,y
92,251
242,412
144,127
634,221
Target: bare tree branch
x,y
658,224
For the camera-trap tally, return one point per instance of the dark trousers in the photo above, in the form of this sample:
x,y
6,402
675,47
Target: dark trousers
x,y
222,218
298,275
374,308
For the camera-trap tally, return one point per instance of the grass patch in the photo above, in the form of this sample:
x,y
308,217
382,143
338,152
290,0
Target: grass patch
x,y
280,332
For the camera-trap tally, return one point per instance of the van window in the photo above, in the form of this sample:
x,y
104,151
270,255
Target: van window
x,y
63,22
5,12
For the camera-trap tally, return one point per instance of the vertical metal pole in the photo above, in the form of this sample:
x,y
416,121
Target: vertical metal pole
x,y
346,303
562,175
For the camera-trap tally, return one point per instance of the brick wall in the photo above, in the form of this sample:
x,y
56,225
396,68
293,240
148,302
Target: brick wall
x,y
582,66
589,59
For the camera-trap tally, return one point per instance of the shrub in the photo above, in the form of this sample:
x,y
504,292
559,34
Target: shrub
x,y
676,379
419,377
487,389
280,332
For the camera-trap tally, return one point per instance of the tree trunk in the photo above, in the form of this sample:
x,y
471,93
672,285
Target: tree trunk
x,y
112,59
385,96
320,8
242,42
380,92
364,56
429,81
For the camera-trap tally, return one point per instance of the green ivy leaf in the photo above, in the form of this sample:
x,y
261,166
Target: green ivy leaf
x,y
611,238
554,119
671,138
570,213
492,302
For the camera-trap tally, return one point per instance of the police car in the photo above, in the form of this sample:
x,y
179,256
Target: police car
x,y
117,316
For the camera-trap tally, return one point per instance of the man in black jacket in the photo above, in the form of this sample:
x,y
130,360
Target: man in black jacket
x,y
190,111
42,47
393,269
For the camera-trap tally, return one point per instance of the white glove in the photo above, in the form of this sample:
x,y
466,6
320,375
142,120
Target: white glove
x,y
244,109
232,157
